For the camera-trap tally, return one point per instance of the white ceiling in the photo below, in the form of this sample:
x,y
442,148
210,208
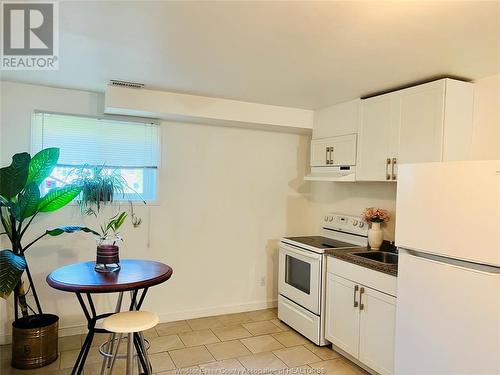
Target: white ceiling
x,y
299,54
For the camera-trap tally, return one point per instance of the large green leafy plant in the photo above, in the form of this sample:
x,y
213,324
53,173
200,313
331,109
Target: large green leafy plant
x,y
20,203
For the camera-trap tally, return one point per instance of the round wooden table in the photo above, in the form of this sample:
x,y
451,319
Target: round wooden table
x,y
81,278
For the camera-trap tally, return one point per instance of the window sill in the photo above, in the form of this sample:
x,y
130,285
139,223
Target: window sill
x,y
126,203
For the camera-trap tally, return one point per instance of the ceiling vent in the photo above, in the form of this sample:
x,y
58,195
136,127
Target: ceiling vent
x,y
132,85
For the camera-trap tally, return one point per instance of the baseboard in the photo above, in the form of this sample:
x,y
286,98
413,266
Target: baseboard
x,y
173,316
220,310
5,339
63,331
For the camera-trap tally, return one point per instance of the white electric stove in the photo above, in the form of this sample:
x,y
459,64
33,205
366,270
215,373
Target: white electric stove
x,y
302,272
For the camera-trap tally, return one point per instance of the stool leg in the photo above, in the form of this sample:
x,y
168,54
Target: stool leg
x,y
115,353
106,362
130,354
149,371
138,359
134,307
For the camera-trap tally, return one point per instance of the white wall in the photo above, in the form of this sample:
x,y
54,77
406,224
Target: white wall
x,y
226,196
486,136
351,199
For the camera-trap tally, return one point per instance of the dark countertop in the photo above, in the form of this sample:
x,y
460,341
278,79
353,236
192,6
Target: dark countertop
x,y
346,255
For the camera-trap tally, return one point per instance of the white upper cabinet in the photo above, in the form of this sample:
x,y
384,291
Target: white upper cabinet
x,y
378,137
339,119
333,151
333,145
424,123
458,121
421,118
320,152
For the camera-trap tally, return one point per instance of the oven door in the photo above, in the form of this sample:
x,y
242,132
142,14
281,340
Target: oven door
x,y
300,277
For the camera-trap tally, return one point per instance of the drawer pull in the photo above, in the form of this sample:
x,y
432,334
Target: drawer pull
x,y
361,291
356,288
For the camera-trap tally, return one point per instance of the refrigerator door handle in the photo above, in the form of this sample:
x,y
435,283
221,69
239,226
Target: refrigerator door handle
x,y
480,268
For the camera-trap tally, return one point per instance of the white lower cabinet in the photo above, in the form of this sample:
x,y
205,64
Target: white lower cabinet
x,y
377,331
360,321
342,317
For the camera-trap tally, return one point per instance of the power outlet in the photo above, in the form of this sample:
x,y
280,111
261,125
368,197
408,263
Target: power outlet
x,y
263,281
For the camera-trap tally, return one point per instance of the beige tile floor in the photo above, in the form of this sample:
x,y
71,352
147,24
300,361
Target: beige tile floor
x,y
244,343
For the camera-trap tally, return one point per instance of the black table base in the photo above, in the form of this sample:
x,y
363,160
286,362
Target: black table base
x,y
92,318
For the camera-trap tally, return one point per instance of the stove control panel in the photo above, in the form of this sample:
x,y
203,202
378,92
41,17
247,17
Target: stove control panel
x,y
345,223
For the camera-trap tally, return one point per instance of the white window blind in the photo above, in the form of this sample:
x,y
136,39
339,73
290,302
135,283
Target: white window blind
x,y
130,147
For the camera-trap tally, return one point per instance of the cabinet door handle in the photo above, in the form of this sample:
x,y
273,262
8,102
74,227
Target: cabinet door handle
x,y
331,155
356,288
387,163
394,161
327,161
361,291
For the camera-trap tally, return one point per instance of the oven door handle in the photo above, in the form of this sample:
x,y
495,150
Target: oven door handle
x,y
304,253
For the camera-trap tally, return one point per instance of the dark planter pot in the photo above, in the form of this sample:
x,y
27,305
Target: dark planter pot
x,y
108,258
34,341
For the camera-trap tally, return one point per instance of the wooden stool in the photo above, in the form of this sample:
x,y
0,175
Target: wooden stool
x,y
129,322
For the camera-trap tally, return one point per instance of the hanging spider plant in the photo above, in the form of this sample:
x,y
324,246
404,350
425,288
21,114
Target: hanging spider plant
x,y
100,185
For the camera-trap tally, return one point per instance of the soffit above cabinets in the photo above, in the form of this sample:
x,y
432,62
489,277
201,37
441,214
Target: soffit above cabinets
x,y
201,109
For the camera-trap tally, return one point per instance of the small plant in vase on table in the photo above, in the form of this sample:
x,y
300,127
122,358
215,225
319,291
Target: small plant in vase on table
x,y
375,216
108,241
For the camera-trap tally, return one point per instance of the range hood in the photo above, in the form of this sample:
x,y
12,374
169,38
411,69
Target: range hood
x,y
337,173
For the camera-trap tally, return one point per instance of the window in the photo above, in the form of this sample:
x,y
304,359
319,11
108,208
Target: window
x,y
129,148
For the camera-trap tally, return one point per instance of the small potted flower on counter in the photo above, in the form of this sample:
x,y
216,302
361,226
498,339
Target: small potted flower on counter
x,y
375,216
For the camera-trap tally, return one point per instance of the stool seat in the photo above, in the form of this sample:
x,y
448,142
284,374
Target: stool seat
x,y
130,321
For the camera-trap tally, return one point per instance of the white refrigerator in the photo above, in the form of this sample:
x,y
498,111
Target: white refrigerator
x,y
448,235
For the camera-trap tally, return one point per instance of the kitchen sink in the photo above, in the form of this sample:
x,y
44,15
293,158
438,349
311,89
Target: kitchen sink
x,y
379,256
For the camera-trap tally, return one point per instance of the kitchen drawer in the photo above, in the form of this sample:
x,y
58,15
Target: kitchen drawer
x,y
304,321
362,275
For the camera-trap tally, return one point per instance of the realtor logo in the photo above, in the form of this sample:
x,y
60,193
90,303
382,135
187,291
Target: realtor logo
x,y
30,35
